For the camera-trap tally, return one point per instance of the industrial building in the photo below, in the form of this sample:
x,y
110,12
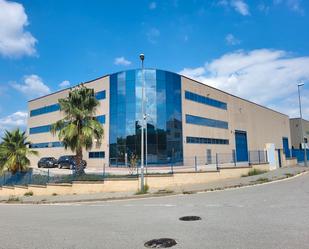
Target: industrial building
x,y
297,139
185,119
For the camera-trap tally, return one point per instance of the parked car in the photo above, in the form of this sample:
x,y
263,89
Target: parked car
x,y
47,162
68,162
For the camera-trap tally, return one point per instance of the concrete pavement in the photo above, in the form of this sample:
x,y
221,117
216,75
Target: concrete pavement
x,y
263,216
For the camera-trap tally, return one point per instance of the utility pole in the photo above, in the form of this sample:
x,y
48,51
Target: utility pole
x,y
301,125
142,57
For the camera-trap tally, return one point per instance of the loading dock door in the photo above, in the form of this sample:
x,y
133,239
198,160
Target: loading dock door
x,y
241,146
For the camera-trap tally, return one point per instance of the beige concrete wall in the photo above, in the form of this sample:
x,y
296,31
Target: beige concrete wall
x,y
262,125
49,118
295,128
177,180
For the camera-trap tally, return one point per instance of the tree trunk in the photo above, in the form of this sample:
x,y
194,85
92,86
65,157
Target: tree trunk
x,y
79,162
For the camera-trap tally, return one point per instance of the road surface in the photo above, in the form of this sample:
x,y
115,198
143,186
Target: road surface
x,y
274,215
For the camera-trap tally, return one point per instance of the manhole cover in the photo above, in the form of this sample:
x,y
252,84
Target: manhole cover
x,y
190,218
160,243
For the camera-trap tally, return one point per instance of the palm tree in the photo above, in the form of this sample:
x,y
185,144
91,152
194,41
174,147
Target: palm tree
x,y
14,150
79,126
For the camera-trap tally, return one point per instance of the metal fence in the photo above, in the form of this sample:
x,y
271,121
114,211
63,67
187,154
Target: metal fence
x,y
187,164
300,154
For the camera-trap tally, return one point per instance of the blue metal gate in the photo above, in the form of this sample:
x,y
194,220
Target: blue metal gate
x,y
286,149
241,146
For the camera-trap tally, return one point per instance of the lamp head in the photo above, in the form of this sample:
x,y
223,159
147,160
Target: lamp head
x,y
142,57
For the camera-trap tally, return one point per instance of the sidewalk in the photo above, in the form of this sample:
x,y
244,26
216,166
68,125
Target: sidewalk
x,y
187,189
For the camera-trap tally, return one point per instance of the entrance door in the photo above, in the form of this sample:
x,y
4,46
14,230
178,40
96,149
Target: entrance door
x,y
241,146
286,149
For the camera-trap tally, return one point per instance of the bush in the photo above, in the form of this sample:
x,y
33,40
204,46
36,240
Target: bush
x,y
30,193
142,192
253,172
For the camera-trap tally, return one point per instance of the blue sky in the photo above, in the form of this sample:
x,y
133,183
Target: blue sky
x,y
258,50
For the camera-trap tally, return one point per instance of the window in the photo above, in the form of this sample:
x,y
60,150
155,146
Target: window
x,y
56,107
190,119
45,109
40,129
46,145
100,95
203,140
101,119
96,154
205,100
47,128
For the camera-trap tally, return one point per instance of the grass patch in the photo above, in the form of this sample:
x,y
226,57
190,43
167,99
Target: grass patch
x,y
54,194
262,180
253,172
164,191
29,193
188,192
288,175
13,199
142,192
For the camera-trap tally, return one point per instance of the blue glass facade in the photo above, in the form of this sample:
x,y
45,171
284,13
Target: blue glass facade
x,y
163,109
46,145
205,140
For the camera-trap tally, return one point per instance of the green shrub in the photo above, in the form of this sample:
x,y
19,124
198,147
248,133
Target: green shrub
x,y
13,198
253,172
54,194
29,193
142,192
262,180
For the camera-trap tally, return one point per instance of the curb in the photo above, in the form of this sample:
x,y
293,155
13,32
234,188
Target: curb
x,y
154,195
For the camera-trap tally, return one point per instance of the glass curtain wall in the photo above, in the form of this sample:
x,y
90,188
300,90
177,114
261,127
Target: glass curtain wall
x,y
163,109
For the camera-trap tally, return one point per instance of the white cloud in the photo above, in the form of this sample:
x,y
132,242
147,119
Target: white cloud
x,y
122,61
15,41
64,84
294,5
241,7
12,121
33,86
231,40
152,35
265,76
153,5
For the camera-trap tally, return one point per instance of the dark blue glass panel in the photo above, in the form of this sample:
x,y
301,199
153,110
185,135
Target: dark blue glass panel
x,y
96,154
101,119
46,145
190,119
100,95
205,100
40,129
204,140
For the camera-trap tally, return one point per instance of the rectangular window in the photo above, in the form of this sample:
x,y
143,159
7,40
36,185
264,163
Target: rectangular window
x,y
101,119
40,129
47,128
205,100
56,107
100,95
190,119
203,140
96,154
46,145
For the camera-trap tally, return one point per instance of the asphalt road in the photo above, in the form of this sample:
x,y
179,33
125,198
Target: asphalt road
x,y
273,215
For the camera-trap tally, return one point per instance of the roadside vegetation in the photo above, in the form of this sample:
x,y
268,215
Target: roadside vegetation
x,y
253,172
142,192
79,127
14,152
29,193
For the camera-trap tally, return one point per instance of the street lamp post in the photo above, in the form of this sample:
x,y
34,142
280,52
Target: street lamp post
x,y
142,57
301,124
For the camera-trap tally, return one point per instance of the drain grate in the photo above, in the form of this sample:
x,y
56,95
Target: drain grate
x,y
160,243
190,218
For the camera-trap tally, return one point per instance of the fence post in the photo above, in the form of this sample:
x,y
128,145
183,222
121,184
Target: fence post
x,y
217,161
195,163
234,157
48,176
103,171
172,167
266,156
259,157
